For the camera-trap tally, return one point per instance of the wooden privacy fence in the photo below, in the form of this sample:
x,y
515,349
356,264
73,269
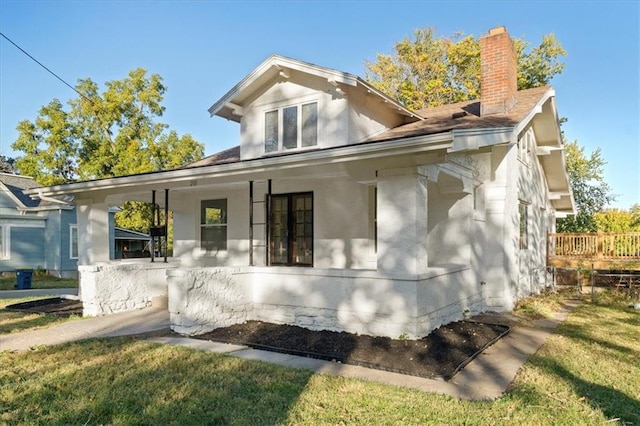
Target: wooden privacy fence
x,y
605,250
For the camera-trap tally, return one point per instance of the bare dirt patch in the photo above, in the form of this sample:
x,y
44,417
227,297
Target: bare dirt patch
x,y
55,305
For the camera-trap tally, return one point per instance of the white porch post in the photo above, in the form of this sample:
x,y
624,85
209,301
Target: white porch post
x,y
402,222
93,232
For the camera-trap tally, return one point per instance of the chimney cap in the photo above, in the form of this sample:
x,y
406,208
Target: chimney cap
x,y
497,30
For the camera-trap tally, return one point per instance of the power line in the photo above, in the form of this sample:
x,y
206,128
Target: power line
x,y
43,66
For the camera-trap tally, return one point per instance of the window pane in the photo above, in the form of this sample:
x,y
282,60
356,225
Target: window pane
x,y
271,131
290,127
213,238
524,226
310,124
279,231
74,242
213,212
213,225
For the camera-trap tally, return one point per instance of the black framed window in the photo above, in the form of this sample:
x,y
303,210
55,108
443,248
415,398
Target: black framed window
x,y
291,229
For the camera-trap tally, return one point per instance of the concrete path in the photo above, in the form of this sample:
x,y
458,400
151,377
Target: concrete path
x,y
485,378
122,324
16,294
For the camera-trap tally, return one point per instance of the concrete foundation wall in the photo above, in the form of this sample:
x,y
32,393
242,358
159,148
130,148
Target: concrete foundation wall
x,y
112,288
362,302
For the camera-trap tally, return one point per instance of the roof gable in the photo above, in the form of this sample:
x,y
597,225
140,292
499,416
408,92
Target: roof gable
x,y
15,184
277,68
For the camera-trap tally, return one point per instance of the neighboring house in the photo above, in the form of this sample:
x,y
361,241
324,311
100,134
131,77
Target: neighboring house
x,y
130,244
42,233
36,233
343,210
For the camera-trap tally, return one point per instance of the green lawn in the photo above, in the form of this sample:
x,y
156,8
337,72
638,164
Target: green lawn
x,y
587,373
40,281
14,322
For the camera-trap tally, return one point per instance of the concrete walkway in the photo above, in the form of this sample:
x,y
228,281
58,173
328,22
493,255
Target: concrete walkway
x,y
122,324
17,294
485,378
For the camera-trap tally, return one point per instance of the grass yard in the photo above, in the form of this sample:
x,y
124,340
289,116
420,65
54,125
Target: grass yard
x,y
40,281
587,373
14,322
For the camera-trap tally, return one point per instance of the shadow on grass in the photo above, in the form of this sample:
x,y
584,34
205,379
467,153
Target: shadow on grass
x,y
127,381
13,322
613,403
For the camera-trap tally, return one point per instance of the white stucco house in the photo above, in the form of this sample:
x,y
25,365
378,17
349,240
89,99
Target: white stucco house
x,y
343,210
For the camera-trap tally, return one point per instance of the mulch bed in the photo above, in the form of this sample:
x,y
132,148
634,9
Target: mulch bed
x,y
55,305
439,355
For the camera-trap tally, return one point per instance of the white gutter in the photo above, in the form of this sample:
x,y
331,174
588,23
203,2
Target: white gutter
x,y
305,159
50,199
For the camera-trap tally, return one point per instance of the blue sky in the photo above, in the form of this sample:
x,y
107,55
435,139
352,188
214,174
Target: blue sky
x,y
203,48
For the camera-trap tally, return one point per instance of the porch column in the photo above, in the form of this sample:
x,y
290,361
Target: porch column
x,y
93,232
402,221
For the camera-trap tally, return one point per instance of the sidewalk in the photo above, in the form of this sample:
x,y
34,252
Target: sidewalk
x,y
485,378
16,294
122,324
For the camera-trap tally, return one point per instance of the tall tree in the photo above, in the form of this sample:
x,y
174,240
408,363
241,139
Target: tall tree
x,y
426,70
590,191
618,220
101,135
113,133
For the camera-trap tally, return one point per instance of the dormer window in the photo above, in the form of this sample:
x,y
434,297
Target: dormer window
x,y
291,127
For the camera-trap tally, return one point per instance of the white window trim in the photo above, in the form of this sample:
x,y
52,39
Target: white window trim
x,y
71,228
527,227
5,253
479,202
373,221
526,146
203,252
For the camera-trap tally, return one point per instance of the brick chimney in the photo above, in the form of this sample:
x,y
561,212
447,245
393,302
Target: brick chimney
x,y
498,72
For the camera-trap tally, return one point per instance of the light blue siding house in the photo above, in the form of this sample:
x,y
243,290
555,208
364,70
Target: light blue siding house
x,y
42,232
36,233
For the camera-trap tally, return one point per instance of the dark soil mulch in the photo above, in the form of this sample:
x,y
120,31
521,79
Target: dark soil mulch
x,y
439,355
55,306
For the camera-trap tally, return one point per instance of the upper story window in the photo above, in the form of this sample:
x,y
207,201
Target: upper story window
x,y
291,127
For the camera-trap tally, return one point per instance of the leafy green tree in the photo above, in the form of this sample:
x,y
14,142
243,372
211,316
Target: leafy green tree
x,y
590,191
102,135
618,220
105,134
426,70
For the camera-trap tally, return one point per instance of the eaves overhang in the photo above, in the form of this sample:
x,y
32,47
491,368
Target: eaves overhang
x,y
245,169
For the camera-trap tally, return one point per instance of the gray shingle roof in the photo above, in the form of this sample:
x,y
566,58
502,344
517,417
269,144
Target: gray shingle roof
x,y
16,184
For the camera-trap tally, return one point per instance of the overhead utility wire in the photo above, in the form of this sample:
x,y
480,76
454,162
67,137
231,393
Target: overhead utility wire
x,y
43,66
57,76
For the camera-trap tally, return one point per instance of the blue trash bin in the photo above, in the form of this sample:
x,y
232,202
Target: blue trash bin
x,y
23,278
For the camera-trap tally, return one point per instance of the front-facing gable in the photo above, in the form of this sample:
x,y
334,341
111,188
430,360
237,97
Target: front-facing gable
x,y
286,106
